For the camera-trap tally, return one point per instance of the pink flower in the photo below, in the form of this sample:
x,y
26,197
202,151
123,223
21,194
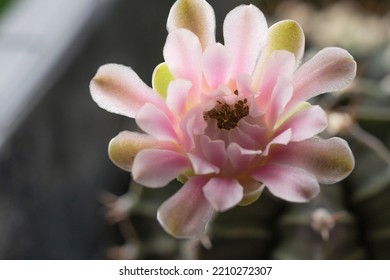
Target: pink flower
x,y
227,120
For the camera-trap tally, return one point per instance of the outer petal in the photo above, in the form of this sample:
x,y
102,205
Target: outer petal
x,y
118,89
331,69
187,212
126,145
155,168
161,79
306,123
244,31
287,182
182,53
155,122
223,193
216,64
284,35
196,16
252,191
330,160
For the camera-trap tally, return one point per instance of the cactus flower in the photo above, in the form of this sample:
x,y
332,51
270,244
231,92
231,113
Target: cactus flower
x,y
227,120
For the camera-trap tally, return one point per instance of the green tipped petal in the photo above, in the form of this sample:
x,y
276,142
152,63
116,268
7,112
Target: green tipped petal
x,y
162,76
125,146
252,196
286,35
329,160
195,15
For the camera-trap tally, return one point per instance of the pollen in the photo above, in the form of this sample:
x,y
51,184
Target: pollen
x,y
228,116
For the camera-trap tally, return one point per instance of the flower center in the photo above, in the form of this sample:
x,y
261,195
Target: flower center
x,y
228,116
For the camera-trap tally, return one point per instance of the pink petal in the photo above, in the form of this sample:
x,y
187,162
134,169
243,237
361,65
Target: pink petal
x,y
202,166
240,137
155,168
216,64
182,53
257,132
330,160
195,15
282,139
126,145
240,158
329,70
244,85
156,123
223,193
306,123
186,213
288,182
177,96
213,150
118,89
281,63
287,36
192,125
281,95
244,31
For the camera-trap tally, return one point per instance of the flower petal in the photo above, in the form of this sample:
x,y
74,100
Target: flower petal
x,y
118,89
244,31
195,15
155,168
280,64
156,123
329,70
288,182
177,96
281,95
306,123
240,137
284,35
161,78
257,132
252,191
201,166
240,158
187,212
223,193
281,139
330,160
191,125
126,145
213,150
182,53
216,64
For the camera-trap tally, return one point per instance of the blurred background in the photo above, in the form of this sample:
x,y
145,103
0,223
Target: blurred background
x,y
62,198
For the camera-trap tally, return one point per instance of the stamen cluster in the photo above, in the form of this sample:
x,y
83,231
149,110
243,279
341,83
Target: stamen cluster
x,y
228,116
